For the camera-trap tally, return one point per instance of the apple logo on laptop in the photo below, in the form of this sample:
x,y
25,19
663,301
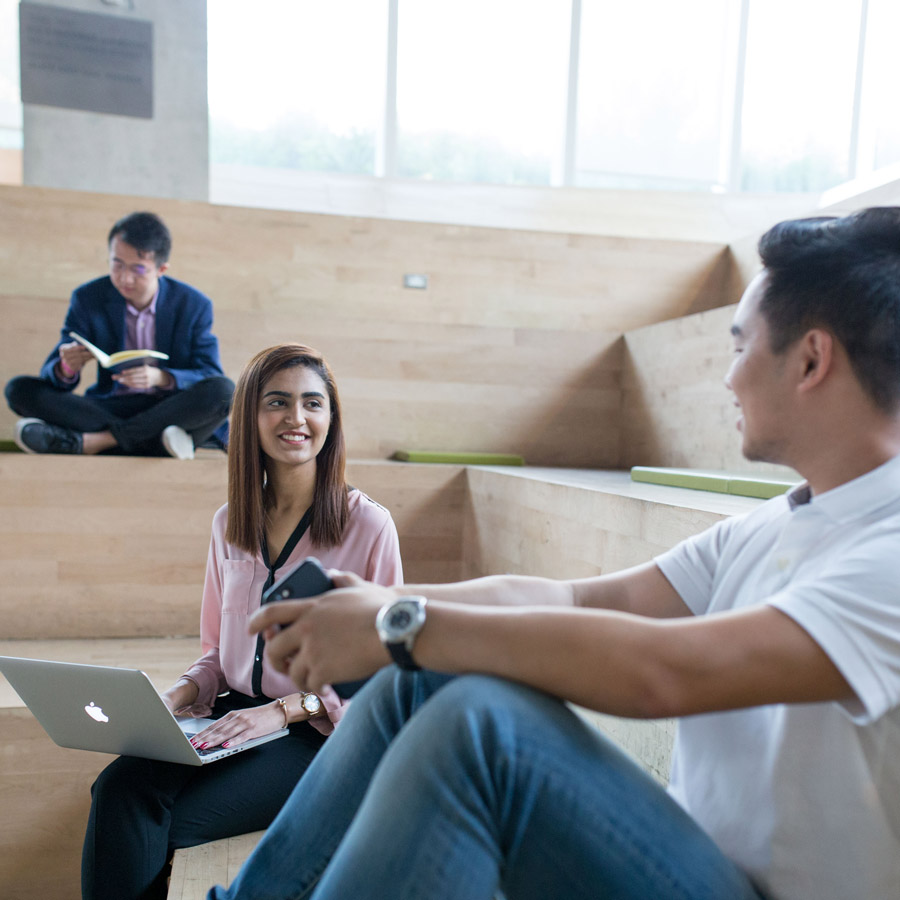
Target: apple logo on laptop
x,y
96,713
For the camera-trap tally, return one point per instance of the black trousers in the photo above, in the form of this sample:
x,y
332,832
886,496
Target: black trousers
x,y
135,420
142,810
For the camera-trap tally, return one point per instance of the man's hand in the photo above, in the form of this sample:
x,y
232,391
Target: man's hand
x,y
327,639
143,377
73,357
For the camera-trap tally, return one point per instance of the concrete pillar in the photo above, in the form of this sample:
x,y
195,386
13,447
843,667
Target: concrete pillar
x,y
166,156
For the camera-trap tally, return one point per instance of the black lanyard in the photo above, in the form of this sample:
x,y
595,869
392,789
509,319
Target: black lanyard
x,y
286,551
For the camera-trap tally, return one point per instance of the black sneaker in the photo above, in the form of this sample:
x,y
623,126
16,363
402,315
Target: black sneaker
x,y
36,436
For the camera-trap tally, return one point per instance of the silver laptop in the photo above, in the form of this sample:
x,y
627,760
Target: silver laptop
x,y
110,710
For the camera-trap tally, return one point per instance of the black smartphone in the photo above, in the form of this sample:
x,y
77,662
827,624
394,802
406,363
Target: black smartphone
x,y
309,579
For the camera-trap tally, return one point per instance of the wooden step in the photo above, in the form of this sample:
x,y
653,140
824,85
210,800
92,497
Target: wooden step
x,y
452,521
117,546
196,869
45,788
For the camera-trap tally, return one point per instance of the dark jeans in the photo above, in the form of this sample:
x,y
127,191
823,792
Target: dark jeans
x,y
450,789
135,420
142,810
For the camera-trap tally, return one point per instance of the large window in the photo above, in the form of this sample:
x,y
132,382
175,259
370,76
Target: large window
x,y
296,85
799,95
481,89
879,143
754,95
655,93
10,102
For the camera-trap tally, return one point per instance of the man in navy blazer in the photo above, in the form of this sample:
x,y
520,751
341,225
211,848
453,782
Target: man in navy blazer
x,y
152,408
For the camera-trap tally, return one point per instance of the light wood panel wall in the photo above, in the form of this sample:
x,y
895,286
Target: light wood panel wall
x,y
116,546
575,524
678,411
514,347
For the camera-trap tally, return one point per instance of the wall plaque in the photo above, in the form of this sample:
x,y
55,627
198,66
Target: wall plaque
x,y
88,61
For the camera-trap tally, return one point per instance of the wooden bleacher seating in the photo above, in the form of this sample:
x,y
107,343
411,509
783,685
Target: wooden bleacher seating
x,y
571,350
196,869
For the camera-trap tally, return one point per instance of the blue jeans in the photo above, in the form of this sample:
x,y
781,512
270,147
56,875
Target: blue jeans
x,y
435,788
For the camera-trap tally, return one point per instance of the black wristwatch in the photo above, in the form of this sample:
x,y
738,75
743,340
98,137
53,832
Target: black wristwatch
x,y
398,624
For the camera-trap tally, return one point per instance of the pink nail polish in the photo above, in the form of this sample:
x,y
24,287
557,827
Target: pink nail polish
x,y
204,746
227,744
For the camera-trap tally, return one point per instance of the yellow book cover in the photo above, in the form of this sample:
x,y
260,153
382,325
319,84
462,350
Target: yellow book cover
x,y
122,358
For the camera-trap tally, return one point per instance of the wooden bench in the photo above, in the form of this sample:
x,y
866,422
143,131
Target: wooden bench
x,y
45,788
196,869
117,547
453,521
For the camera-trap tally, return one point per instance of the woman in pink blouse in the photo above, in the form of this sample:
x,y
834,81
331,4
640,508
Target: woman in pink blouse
x,y
287,499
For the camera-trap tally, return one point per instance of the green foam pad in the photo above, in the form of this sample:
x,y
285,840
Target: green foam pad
x,y
686,478
459,457
9,446
759,486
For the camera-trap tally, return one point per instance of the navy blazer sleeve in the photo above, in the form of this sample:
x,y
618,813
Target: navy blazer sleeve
x,y
184,318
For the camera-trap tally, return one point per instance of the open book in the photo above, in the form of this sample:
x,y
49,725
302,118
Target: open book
x,y
119,360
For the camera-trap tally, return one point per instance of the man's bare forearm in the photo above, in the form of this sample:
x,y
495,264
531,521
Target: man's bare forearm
x,y
497,590
642,590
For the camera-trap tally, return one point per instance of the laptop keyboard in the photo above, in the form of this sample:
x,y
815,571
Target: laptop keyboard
x,y
208,751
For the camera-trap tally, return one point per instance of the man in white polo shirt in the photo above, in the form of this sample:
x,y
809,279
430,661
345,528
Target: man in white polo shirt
x,y
774,637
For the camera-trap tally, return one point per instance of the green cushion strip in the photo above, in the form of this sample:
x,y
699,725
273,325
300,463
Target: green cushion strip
x,y
740,485
762,489
686,478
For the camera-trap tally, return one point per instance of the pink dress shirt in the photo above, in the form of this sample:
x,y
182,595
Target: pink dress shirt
x,y
233,590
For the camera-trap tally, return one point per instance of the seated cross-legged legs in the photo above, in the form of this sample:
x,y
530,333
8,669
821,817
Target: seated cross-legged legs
x,y
57,421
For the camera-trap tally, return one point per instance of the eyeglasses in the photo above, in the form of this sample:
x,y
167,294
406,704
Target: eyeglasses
x,y
139,271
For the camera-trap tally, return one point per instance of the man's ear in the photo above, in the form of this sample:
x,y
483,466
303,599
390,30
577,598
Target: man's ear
x,y
816,356
161,270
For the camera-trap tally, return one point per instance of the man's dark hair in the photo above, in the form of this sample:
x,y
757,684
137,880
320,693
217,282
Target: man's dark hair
x,y
146,232
841,275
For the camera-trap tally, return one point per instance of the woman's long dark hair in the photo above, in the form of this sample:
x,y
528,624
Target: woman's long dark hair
x,y
246,461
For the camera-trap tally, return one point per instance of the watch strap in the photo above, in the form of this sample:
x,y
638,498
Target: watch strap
x,y
402,657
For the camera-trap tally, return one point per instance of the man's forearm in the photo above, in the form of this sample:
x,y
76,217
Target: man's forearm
x,y
636,666
642,590
497,590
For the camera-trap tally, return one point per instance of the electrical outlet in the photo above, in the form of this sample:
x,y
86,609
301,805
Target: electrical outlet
x,y
417,282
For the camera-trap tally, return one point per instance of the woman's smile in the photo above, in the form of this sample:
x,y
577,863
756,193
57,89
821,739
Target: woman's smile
x,y
294,415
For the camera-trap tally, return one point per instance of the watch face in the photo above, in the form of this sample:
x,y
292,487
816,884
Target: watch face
x,y
311,703
399,619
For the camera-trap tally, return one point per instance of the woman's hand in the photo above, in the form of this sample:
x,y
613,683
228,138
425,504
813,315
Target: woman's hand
x,y
242,725
181,696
